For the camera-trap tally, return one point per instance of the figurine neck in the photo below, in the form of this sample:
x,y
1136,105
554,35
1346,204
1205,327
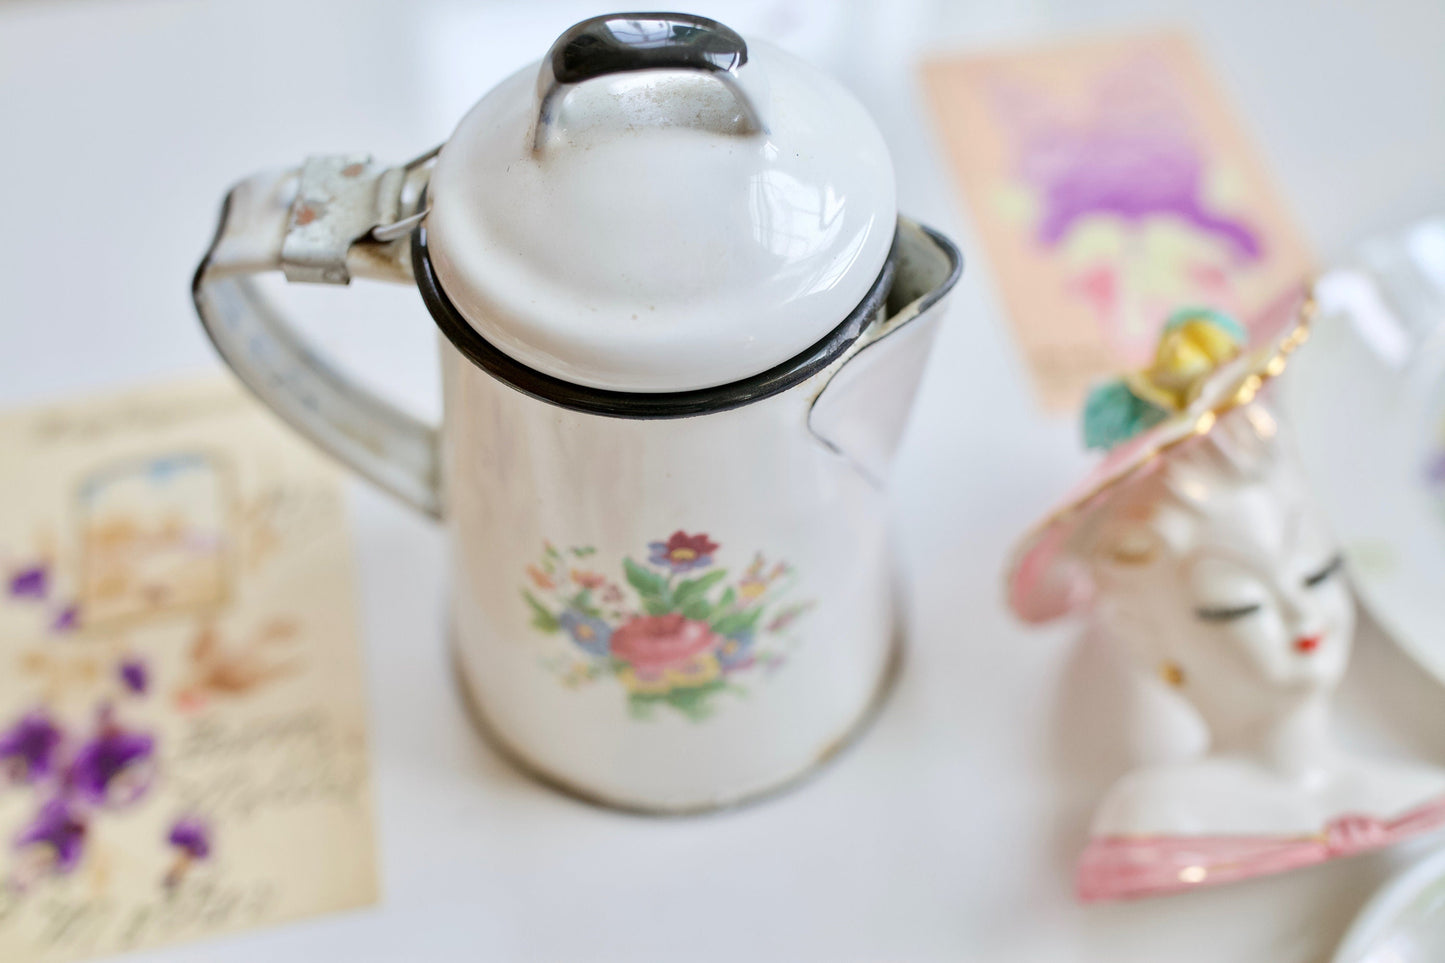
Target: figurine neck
x,y
1291,737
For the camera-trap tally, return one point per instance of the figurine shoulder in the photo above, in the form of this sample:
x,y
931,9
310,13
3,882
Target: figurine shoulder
x,y
1153,801
1200,797
1388,788
1217,796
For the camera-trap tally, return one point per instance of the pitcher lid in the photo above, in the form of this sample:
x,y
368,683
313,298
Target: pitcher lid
x,y
660,207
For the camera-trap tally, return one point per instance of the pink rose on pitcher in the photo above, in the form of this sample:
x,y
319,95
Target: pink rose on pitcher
x,y
652,643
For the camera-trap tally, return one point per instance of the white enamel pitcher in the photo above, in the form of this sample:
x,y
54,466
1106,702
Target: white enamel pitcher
x,y
683,328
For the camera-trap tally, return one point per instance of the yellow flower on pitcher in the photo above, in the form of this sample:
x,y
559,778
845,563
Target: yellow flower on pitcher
x,y
642,683
752,589
754,584
700,671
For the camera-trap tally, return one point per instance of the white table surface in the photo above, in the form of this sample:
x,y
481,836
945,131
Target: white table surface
x,y
949,832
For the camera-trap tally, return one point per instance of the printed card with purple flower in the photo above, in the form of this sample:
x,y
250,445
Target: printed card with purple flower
x,y
182,728
1110,183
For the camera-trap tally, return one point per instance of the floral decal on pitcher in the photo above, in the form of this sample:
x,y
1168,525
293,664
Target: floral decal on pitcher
x,y
679,634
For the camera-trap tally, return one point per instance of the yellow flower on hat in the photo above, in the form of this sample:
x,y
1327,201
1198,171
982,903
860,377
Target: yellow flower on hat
x,y
1194,344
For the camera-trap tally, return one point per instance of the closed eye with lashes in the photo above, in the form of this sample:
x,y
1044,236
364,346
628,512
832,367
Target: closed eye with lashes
x,y
1226,613
1330,568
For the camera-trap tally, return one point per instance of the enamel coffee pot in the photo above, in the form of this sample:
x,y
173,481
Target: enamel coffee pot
x,y
683,328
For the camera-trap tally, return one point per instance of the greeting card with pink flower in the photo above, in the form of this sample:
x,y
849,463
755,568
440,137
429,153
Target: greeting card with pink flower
x,y
1109,182
182,727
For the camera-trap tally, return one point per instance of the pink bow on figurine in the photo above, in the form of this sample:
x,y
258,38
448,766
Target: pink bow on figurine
x,y
1122,867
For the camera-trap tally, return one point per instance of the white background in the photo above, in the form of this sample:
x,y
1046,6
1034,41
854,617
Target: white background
x,y
948,834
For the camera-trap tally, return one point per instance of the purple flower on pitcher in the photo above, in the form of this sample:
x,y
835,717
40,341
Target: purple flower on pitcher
x,y
59,828
115,767
682,552
28,748
31,582
591,634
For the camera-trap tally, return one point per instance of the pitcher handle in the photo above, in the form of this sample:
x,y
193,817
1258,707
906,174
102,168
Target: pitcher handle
x,y
334,218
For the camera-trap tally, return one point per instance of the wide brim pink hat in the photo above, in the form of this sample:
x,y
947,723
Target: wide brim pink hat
x,y
1046,578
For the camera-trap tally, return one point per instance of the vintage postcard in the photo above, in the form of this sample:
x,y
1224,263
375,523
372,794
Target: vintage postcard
x,y
1110,184
182,719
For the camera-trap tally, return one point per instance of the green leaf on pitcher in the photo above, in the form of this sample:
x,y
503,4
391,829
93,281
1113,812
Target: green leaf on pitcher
x,y
693,701
690,588
735,622
542,617
698,609
729,598
646,581
582,602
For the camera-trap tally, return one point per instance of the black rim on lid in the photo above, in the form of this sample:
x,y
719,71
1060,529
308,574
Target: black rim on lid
x,y
627,404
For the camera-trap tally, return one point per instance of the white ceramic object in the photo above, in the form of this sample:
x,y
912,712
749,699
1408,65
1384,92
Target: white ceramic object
x,y
1369,406
1404,922
672,588
1198,548
1220,574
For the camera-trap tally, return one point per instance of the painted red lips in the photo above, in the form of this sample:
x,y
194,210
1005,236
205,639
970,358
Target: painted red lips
x,y
1306,644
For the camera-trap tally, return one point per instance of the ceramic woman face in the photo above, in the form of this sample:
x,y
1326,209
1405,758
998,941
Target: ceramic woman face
x,y
1219,572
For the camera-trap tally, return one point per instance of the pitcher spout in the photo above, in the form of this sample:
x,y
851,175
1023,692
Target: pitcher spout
x,y
863,408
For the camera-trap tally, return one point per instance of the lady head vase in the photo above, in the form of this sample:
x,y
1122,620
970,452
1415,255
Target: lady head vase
x,y
1198,548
